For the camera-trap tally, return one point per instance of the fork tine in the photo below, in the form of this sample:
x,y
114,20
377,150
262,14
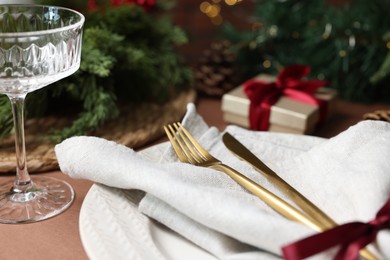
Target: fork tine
x,y
205,154
181,132
185,150
175,145
180,147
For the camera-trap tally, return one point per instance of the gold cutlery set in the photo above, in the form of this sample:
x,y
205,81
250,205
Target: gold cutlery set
x,y
190,151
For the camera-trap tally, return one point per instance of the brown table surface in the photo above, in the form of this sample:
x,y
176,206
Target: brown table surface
x,y
58,237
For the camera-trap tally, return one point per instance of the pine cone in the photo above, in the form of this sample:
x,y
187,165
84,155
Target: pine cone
x,y
382,115
215,73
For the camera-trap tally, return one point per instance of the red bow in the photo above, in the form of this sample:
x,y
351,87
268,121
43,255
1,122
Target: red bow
x,y
263,95
146,4
351,236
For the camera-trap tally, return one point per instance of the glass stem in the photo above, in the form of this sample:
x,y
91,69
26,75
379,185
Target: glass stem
x,y
22,182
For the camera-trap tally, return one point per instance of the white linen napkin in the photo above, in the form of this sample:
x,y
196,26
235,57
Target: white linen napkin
x,y
347,176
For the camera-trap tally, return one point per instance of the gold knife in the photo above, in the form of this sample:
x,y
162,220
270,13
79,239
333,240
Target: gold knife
x,y
306,205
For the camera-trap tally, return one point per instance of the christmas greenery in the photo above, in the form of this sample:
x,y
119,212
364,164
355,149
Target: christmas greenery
x,y
128,55
347,44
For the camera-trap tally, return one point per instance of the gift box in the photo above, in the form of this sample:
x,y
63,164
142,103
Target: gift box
x,y
286,114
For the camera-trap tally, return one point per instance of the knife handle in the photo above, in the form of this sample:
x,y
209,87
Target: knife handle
x,y
278,204
305,204
275,202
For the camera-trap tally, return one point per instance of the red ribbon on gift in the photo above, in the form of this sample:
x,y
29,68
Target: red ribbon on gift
x,y
290,83
351,236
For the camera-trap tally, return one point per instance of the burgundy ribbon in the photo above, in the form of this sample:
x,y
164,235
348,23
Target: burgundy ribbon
x,y
263,95
351,236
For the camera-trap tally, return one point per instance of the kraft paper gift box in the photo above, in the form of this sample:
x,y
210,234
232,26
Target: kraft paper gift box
x,y
287,115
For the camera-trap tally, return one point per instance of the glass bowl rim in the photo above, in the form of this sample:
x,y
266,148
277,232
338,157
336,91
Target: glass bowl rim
x,y
43,32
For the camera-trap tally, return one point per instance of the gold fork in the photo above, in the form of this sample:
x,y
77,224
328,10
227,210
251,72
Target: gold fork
x,y
188,150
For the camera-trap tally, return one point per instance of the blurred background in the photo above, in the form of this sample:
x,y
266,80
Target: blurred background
x,y
151,50
203,21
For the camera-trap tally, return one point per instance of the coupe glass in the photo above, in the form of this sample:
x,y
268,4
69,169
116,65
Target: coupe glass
x,y
38,46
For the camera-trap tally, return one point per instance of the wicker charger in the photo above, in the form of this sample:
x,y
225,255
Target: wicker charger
x,y
137,125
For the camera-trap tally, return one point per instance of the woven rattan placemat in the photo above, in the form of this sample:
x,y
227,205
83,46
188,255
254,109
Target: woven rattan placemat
x,y
137,125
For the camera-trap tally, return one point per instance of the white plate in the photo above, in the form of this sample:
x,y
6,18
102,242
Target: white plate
x,y
111,227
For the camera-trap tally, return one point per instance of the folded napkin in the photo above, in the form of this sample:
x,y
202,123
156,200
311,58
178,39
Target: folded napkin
x,y
347,176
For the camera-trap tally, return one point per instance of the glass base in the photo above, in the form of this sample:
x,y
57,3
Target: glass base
x,y
48,197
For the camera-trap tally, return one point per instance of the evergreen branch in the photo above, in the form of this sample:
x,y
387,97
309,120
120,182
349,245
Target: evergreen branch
x,y
6,120
99,107
383,72
127,55
343,44
97,58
